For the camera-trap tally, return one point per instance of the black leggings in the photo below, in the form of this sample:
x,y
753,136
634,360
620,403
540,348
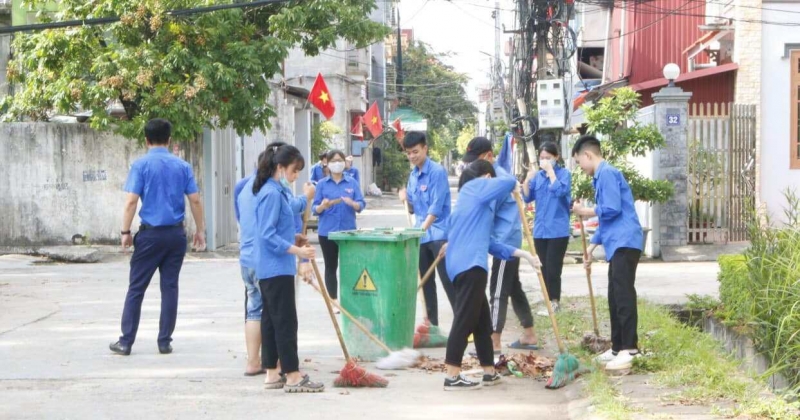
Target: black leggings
x,y
279,323
471,317
427,254
551,253
330,252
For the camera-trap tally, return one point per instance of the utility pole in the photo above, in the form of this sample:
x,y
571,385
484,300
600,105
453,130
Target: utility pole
x,y
498,67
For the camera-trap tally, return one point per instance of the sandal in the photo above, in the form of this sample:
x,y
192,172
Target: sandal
x,y
304,386
279,384
518,345
256,373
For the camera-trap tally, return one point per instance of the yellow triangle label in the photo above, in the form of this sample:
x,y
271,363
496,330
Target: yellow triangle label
x,y
365,283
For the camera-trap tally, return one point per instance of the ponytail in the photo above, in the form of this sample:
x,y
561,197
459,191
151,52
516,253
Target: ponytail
x,y
277,153
474,170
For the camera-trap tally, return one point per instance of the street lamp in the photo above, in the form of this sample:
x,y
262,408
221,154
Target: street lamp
x,y
671,72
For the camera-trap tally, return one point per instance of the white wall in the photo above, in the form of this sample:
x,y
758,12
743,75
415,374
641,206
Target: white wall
x,y
775,134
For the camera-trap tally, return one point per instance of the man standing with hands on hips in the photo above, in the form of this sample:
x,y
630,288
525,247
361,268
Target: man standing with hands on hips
x,y
161,180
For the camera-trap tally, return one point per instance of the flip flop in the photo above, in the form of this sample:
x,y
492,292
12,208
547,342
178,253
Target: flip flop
x,y
475,354
256,373
519,346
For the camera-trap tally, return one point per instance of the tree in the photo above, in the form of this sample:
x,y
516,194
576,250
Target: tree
x,y
192,70
467,133
613,118
321,135
436,91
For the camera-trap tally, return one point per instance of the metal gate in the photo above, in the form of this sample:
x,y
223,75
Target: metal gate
x,y
721,172
223,161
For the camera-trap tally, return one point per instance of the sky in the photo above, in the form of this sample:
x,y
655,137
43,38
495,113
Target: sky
x,y
463,27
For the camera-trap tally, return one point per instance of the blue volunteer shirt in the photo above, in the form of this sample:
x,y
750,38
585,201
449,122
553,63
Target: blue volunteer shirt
x,y
276,224
507,225
353,172
246,215
317,172
161,180
341,216
552,204
618,222
429,194
469,238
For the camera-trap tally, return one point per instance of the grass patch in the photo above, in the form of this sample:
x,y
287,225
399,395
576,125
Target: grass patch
x,y
678,356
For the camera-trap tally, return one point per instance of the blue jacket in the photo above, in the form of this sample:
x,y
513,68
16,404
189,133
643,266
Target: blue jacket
x,y
317,173
618,222
552,204
341,216
507,224
276,209
161,180
429,194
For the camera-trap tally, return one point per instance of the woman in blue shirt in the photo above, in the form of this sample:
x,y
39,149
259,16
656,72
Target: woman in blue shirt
x,y
550,188
469,240
276,266
337,200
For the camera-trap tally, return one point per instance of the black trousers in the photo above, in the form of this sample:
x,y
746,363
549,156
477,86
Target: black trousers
x,y
427,254
330,253
279,323
471,317
551,253
622,299
159,249
504,284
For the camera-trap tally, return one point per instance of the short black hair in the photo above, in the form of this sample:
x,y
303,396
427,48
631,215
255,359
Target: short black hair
x,y
549,147
323,155
474,170
335,152
414,138
587,143
158,131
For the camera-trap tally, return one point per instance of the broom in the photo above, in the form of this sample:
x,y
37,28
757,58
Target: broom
x,y
396,359
352,375
566,365
592,342
422,336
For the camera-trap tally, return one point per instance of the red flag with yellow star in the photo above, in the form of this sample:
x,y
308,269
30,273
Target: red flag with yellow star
x,y
400,133
373,121
320,97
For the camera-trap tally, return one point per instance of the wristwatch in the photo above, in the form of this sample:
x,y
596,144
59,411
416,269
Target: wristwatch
x,y
125,232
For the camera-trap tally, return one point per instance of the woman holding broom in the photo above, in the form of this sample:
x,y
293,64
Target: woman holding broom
x,y
550,188
276,266
469,241
337,200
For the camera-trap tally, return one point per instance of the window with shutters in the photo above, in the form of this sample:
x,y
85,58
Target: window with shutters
x,y
794,123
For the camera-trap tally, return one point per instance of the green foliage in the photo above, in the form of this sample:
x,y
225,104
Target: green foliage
x,y
321,135
613,119
190,69
436,91
467,133
395,168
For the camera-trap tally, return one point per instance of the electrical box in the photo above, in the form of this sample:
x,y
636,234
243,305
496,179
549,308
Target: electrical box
x,y
551,103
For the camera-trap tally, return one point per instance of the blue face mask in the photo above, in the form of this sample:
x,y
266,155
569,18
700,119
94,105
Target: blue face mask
x,y
285,182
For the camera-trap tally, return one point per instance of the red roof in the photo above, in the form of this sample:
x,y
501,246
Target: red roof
x,y
654,83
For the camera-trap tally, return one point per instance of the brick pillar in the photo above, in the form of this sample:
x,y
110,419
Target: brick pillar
x,y
672,119
746,53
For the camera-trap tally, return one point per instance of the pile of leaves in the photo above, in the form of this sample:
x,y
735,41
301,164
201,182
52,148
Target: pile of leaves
x,y
530,365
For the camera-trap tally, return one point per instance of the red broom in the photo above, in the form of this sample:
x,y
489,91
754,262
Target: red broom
x,y
352,375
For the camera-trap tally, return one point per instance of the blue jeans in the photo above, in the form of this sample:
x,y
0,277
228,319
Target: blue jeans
x,y
252,295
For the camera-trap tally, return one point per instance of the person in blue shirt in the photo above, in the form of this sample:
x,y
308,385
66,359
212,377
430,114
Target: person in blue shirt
x,y
428,196
620,234
320,169
351,170
469,240
550,188
160,180
244,207
337,200
504,282
276,266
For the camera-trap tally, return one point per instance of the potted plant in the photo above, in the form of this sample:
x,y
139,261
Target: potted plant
x,y
612,120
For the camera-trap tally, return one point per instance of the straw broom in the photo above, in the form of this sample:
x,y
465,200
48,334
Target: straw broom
x,y
352,375
593,342
566,365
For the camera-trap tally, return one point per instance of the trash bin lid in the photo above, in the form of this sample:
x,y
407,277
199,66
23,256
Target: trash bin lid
x,y
377,235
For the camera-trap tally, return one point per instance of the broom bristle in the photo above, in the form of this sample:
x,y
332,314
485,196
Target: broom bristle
x,y
563,371
399,360
354,376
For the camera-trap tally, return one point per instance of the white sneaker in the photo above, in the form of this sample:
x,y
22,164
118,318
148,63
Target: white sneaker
x,y
623,361
606,357
543,312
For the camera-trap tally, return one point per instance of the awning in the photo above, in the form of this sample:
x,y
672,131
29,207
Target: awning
x,y
410,119
597,92
705,41
654,83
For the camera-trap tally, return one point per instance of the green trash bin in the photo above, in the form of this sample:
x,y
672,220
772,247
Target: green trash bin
x,y
378,285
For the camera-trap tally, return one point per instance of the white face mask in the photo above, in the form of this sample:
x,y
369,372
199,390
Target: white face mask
x,y
336,167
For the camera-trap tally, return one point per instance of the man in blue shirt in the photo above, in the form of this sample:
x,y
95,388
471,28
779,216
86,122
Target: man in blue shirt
x,y
505,283
160,180
319,168
351,170
620,234
428,195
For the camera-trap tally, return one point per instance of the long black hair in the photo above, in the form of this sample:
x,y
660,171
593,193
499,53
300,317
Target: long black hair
x,y
333,153
551,148
277,153
474,170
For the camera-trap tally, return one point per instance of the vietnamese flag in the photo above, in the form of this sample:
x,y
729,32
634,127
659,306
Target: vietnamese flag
x,y
373,121
400,133
320,97
357,130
